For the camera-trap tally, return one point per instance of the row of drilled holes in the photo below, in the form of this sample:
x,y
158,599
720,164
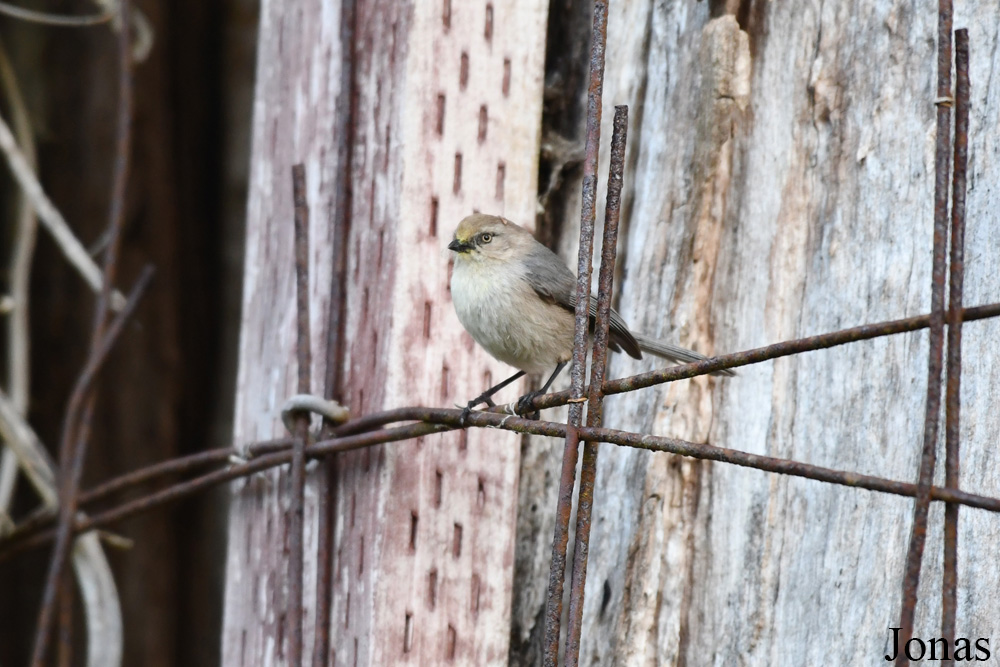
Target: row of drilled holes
x,y
456,187
435,206
463,74
488,23
499,194
456,550
501,177
438,496
484,117
431,599
463,80
432,576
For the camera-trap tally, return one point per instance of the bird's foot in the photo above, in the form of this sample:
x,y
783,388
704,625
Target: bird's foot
x,y
524,406
486,399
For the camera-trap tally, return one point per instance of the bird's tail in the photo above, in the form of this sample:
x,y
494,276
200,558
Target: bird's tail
x,y
671,352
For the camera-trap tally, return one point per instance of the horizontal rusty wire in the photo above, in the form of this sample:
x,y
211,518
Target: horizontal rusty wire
x,y
775,351
438,420
29,528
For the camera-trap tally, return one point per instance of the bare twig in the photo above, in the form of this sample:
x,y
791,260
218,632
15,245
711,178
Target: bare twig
x,y
101,605
103,613
50,216
29,451
60,20
72,462
18,340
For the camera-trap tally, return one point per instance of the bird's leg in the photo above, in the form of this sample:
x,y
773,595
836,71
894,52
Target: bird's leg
x,y
524,403
487,396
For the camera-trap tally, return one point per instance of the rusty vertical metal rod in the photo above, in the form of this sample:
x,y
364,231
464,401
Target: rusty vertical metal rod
x,y
949,585
942,157
578,368
595,405
304,359
336,328
80,408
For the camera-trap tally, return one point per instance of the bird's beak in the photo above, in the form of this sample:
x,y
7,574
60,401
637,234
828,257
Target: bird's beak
x,y
459,246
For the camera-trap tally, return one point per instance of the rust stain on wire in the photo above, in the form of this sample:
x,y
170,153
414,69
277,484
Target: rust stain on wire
x,y
79,411
949,585
304,359
921,504
588,468
336,327
578,368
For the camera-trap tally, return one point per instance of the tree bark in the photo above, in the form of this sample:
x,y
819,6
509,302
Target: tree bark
x,y
447,118
780,184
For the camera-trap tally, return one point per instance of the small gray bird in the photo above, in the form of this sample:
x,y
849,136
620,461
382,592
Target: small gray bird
x,y
517,299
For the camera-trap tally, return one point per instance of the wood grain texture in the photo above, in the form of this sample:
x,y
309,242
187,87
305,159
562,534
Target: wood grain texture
x,y
448,107
780,184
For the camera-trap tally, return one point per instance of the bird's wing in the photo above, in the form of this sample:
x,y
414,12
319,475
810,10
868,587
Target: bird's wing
x,y
553,282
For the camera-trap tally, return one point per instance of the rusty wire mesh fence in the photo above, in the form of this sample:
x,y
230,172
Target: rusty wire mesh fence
x,y
182,477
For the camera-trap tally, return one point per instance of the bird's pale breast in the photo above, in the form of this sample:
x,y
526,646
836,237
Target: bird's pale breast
x,y
508,319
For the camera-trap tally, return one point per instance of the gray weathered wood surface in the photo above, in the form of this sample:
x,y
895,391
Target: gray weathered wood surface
x,y
806,211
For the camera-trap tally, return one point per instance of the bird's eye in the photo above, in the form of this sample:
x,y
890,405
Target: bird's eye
x,y
486,238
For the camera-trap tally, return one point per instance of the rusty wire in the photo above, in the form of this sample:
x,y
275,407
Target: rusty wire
x,y
588,466
438,420
29,529
80,409
921,503
578,367
303,353
949,585
768,352
336,328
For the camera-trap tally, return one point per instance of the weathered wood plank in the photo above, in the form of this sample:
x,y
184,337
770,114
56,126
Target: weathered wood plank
x,y
447,120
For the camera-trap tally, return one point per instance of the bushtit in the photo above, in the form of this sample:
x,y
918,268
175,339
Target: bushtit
x,y
517,299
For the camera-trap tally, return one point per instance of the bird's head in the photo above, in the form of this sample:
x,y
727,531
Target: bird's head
x,y
482,237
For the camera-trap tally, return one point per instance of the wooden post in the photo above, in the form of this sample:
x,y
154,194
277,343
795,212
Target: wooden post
x,y
448,107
